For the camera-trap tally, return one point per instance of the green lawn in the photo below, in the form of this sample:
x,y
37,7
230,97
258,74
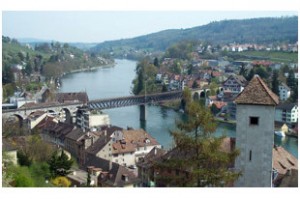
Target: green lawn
x,y
274,56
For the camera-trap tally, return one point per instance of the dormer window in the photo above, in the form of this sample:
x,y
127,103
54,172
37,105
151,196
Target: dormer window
x,y
147,141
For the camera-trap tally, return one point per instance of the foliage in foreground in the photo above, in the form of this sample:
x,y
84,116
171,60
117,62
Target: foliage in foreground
x,y
198,158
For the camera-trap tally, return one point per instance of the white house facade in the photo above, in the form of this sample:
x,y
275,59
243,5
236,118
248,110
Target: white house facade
x,y
287,113
284,92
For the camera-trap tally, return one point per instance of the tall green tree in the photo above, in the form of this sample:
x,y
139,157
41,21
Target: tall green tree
x,y
59,165
201,153
294,96
7,75
155,62
275,82
291,80
28,69
195,84
88,180
243,70
186,98
22,177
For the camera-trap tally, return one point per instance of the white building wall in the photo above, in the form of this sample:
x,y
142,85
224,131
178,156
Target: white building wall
x,y
143,151
106,151
259,140
98,120
284,93
125,159
287,117
34,122
294,114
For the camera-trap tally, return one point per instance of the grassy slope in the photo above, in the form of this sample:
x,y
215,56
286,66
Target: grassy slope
x,y
275,56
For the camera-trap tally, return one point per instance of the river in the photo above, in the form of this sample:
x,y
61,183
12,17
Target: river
x,y
116,81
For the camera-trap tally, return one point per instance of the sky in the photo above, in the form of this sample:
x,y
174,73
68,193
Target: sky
x,y
101,20
99,26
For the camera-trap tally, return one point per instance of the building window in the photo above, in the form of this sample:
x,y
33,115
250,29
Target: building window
x,y
250,156
253,120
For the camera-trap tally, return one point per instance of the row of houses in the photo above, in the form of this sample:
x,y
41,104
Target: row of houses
x,y
108,152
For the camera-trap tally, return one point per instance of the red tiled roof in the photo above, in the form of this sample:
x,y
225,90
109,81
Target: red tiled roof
x,y
219,104
72,97
133,139
257,93
283,160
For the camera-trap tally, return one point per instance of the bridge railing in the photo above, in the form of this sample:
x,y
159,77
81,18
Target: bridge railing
x,y
109,102
42,106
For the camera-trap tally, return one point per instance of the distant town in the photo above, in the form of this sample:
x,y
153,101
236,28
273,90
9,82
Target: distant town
x,y
63,139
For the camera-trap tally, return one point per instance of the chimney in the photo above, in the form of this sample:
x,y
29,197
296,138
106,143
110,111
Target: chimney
x,y
110,165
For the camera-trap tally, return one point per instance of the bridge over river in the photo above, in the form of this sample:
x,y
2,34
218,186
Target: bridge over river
x,y
99,104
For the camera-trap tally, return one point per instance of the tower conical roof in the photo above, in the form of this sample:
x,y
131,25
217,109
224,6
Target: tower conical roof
x,y
257,93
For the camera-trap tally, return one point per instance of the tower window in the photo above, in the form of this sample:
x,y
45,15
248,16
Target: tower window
x,y
253,120
250,156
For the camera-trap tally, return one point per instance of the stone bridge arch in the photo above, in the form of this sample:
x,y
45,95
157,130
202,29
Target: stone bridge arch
x,y
19,118
196,96
207,93
202,94
66,114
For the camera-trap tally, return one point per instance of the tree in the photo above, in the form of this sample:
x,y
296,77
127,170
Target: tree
x,y
294,96
155,62
7,75
198,152
259,70
214,109
164,88
23,159
250,74
285,69
190,69
28,69
22,177
88,180
213,86
243,70
39,172
275,82
195,84
138,82
291,80
59,165
186,98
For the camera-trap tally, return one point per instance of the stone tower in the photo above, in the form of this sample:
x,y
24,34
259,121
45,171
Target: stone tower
x,y
255,134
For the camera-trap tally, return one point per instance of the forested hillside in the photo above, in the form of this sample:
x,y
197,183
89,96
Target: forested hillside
x,y
259,30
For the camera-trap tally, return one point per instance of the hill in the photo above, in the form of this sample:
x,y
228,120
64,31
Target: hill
x,y
258,30
48,59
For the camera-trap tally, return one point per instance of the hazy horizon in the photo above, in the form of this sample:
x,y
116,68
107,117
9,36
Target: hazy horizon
x,y
100,26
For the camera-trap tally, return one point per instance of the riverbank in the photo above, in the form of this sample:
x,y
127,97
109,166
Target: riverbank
x,y
222,120
89,69
172,104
